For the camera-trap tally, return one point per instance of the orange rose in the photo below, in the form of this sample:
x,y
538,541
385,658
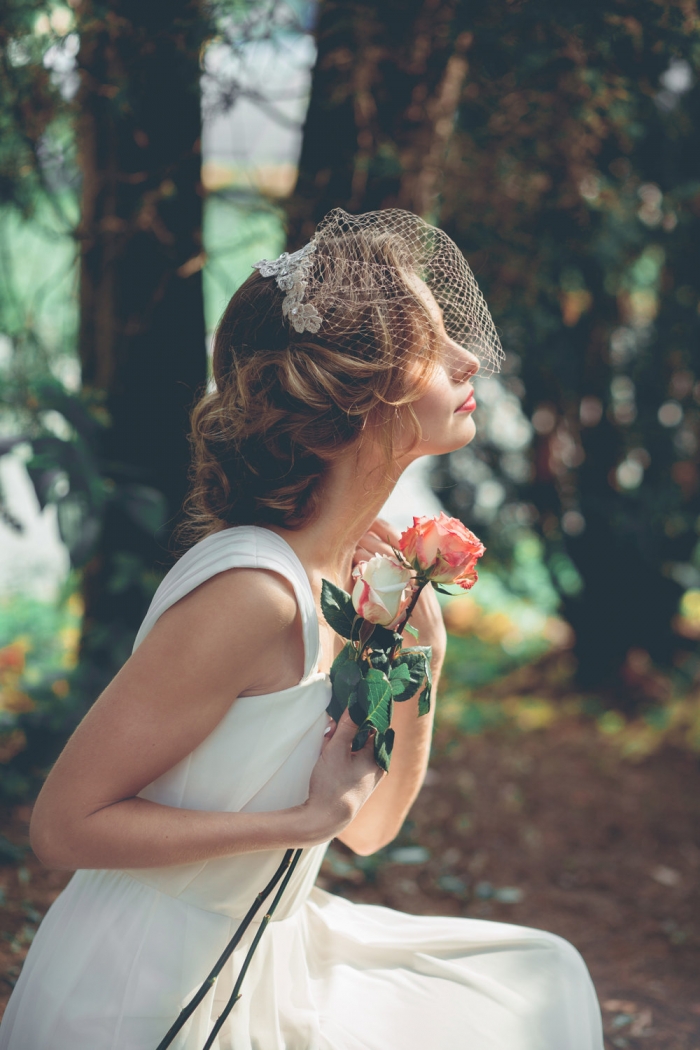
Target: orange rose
x,y
444,549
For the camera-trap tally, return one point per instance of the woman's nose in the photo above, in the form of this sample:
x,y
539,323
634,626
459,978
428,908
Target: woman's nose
x,y
466,365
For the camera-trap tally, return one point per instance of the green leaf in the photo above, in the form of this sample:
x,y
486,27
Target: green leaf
x,y
401,684
424,698
361,736
338,704
380,660
443,590
338,609
374,693
335,708
345,674
417,659
414,660
384,639
425,652
357,707
411,630
348,654
346,680
383,746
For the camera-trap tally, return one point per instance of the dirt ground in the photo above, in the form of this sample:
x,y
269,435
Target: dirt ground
x,y
547,828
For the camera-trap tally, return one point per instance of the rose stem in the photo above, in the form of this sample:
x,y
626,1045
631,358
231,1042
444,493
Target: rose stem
x,y
235,994
410,608
188,1010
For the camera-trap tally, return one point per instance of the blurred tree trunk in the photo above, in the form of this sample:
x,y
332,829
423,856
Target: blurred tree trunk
x,y
142,335
566,130
384,96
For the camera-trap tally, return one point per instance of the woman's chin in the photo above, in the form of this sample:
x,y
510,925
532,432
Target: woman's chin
x,y
453,439
463,433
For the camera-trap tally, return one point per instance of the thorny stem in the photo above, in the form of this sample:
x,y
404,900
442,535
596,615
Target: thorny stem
x,y
235,994
208,984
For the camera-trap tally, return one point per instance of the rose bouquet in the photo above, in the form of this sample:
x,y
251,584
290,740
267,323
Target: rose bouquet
x,y
371,673
374,670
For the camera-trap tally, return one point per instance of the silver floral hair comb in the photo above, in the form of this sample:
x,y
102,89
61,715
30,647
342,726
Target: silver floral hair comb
x,y
292,274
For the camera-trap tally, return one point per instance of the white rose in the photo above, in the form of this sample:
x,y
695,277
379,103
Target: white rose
x,y
381,592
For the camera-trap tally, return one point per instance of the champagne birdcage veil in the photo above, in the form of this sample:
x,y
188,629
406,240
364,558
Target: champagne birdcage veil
x,y
356,280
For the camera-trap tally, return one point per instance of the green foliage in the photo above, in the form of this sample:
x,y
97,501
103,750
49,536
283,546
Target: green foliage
x,y
31,103
67,471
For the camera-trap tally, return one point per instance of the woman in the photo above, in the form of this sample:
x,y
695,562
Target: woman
x,y
210,752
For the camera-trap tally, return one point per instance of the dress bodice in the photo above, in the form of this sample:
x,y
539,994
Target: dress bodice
x,y
260,755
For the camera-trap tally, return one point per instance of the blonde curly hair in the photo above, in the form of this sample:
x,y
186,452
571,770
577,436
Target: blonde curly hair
x,y
286,404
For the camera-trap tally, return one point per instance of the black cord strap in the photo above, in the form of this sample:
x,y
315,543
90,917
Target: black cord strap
x,y
235,994
208,984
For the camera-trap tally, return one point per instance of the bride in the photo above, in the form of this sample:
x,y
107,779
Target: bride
x,y
210,753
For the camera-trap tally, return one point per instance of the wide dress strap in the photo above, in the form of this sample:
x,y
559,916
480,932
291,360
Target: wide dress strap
x,y
240,546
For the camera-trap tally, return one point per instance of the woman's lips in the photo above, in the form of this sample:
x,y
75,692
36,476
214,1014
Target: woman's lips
x,y
469,405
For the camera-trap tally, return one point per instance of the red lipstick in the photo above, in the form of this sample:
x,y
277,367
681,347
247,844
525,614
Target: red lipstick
x,y
469,405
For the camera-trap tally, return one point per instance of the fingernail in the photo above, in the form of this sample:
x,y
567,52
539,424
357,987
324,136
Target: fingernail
x,y
327,730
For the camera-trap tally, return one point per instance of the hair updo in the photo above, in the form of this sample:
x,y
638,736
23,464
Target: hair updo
x,y
286,404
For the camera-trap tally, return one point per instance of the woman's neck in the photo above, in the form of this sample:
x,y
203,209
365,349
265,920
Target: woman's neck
x,y
352,496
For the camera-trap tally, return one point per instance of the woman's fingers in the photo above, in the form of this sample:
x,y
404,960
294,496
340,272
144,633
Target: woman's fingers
x,y
345,731
385,531
346,724
328,732
380,538
362,553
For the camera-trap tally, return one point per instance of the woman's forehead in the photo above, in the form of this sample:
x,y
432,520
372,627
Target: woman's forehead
x,y
422,290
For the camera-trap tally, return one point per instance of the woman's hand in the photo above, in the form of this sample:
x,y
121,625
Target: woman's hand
x,y
341,781
426,617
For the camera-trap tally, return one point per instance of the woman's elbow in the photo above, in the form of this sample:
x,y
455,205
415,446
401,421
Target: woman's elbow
x,y
49,842
364,845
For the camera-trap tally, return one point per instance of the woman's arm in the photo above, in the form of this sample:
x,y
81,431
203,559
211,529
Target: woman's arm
x,y
380,819
238,633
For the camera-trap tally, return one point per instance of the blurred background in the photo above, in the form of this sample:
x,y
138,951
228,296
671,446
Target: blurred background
x,y
149,154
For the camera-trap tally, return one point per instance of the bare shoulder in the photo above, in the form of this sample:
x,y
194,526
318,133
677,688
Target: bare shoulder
x,y
227,626
242,593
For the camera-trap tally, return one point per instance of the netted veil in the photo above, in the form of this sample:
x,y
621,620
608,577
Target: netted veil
x,y
356,281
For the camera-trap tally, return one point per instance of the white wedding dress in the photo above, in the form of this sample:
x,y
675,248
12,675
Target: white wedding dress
x,y
120,952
